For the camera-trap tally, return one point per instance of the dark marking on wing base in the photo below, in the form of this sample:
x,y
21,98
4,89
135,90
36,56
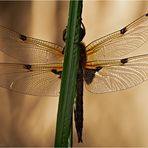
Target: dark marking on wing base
x,y
23,37
90,74
28,67
123,61
123,30
98,68
57,72
63,50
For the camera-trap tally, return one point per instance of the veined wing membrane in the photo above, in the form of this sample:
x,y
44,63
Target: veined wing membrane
x,y
37,80
120,74
29,50
119,43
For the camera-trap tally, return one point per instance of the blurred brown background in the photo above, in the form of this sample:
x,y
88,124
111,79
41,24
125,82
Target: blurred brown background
x,y
114,119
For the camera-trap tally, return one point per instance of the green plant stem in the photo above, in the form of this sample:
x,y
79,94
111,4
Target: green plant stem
x,y
69,75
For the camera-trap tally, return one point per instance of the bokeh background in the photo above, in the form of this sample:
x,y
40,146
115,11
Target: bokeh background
x,y
118,119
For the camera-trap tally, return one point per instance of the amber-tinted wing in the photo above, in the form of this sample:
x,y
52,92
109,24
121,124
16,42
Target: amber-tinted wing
x,y
37,79
29,50
119,43
119,74
38,66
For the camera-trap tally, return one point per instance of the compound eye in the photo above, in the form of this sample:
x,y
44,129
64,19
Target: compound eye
x,y
82,34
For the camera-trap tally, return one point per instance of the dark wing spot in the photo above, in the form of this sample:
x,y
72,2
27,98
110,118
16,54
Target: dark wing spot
x,y
28,67
123,30
23,37
123,61
146,14
89,74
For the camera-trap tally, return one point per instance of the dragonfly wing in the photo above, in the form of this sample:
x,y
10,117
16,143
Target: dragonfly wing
x,y
114,75
121,42
29,50
36,80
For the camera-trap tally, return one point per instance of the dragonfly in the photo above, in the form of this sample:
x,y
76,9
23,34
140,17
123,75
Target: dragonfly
x,y
103,67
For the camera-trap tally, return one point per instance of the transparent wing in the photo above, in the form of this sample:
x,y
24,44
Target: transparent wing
x,y
28,50
114,75
37,80
121,42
